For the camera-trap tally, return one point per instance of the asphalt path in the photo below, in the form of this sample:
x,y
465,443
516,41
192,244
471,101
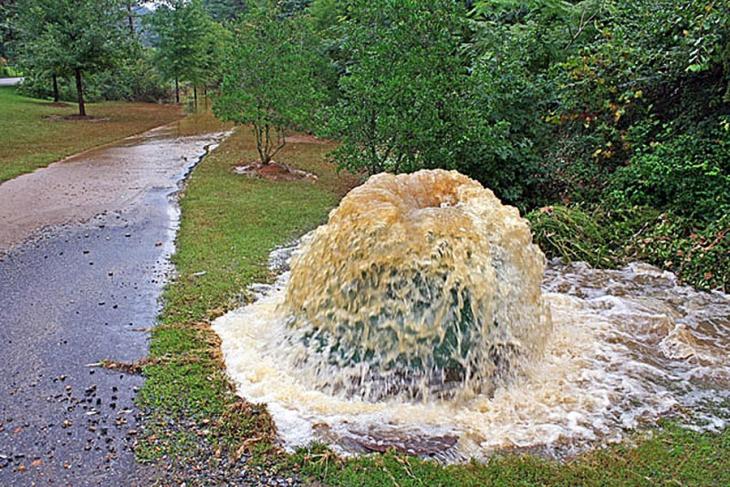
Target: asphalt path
x,y
84,253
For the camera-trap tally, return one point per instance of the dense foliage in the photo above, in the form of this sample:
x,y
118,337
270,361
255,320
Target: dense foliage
x,y
269,78
619,110
614,114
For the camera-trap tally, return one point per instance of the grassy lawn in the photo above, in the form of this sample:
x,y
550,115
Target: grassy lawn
x,y
229,225
34,132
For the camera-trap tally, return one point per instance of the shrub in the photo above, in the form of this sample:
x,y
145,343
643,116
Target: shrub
x,y
688,175
700,256
572,234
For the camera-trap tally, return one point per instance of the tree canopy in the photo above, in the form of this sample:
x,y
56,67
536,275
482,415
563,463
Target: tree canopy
x,y
269,78
70,37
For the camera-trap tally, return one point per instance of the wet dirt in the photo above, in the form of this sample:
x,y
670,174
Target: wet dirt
x,y
274,171
84,249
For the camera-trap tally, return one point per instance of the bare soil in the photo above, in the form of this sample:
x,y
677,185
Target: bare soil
x,y
274,171
305,139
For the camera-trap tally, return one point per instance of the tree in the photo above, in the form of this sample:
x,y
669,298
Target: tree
x,y
6,33
182,31
74,37
269,78
402,103
225,10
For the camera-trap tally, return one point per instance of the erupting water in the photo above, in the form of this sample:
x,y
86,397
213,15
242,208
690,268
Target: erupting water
x,y
415,319
418,284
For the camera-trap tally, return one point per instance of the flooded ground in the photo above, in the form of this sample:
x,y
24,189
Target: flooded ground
x,y
628,347
84,248
101,180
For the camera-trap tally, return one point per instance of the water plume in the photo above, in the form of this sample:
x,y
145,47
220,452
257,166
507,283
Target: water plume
x,y
419,284
422,318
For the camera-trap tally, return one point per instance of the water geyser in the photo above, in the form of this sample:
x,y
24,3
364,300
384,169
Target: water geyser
x,y
419,284
414,320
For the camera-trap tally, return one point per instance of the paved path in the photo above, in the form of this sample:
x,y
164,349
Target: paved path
x,y
10,81
84,247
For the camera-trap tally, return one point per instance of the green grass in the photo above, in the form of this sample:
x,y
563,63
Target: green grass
x,y
670,456
35,133
230,223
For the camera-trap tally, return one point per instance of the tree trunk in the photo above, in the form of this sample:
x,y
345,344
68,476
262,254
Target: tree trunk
x,y
130,18
80,93
263,155
195,95
55,88
177,91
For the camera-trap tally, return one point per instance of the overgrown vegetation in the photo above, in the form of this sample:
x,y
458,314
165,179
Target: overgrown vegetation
x,y
594,105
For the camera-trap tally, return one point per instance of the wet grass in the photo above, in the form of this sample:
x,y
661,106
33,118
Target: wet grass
x,y
35,132
670,456
230,223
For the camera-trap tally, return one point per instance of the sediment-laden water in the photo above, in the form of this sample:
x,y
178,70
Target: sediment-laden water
x,y
472,348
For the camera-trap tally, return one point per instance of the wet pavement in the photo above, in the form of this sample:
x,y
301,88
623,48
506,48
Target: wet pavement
x,y
84,248
10,81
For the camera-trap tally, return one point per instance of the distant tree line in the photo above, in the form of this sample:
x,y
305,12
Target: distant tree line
x,y
114,49
616,109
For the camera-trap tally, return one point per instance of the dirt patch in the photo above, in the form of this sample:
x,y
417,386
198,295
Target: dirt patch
x,y
274,171
56,104
304,139
81,118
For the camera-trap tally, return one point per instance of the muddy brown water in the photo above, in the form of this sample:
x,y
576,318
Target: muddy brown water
x,y
84,249
627,348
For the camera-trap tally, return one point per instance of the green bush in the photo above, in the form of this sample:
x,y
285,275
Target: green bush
x,y
571,234
700,256
687,174
9,72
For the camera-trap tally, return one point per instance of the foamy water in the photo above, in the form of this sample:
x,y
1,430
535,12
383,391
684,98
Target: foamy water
x,y
628,347
625,348
422,285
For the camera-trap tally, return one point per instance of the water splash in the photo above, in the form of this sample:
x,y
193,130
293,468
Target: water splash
x,y
627,346
419,284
